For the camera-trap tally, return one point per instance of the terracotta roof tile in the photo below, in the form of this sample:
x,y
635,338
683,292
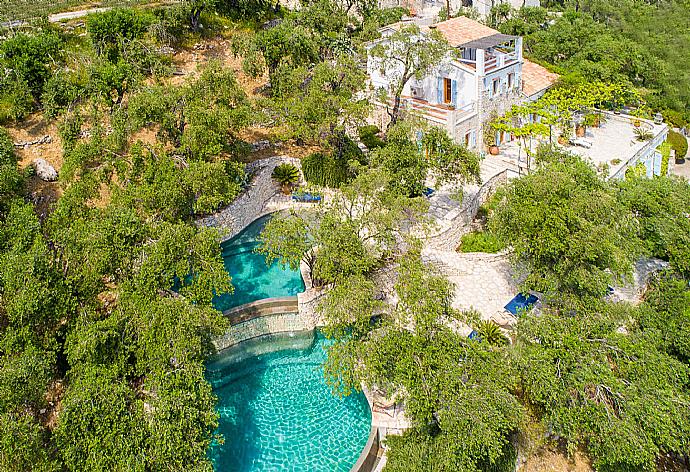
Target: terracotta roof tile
x,y
462,30
536,78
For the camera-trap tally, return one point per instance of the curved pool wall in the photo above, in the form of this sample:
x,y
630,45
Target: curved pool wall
x,y
252,278
277,413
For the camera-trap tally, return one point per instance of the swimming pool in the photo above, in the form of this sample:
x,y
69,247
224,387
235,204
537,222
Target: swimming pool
x,y
278,414
252,279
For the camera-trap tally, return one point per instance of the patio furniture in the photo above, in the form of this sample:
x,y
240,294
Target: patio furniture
x,y
383,404
306,198
428,191
581,142
521,303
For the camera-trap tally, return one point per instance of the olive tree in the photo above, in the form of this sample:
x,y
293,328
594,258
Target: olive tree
x,y
407,53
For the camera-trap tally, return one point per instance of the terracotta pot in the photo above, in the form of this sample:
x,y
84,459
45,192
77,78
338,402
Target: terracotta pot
x,y
493,150
597,122
636,123
562,141
580,131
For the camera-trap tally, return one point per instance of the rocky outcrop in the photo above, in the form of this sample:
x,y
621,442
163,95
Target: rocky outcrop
x,y
44,170
25,144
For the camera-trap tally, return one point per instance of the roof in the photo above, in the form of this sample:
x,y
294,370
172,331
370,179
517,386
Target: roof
x,y
489,41
462,30
536,78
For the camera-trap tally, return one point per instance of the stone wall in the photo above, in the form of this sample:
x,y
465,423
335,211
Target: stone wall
x,y
449,238
261,197
260,326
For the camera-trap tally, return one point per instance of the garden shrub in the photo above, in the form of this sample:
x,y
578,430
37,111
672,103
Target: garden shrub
x,y
110,29
61,90
480,241
7,155
665,150
16,100
325,171
368,136
28,57
679,143
332,171
321,169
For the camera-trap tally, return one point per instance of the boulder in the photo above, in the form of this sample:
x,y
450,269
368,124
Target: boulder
x,y
44,170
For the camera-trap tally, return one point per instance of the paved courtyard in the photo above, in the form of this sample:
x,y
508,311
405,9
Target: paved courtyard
x,y
483,282
682,170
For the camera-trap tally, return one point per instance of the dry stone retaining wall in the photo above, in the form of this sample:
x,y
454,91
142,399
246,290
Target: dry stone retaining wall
x,y
261,197
448,239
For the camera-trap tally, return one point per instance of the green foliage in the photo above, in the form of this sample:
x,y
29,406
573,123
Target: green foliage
x,y
112,30
325,171
387,16
642,134
406,54
661,206
599,387
62,91
632,42
349,243
455,391
567,228
99,424
668,319
489,332
679,143
24,445
369,137
29,58
7,155
286,174
480,241
409,166
16,100
319,103
199,118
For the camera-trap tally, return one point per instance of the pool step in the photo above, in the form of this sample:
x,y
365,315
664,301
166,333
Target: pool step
x,y
235,249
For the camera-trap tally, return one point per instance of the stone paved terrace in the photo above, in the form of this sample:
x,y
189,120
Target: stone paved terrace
x,y
613,141
484,282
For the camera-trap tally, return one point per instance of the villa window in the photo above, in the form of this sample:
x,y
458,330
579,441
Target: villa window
x,y
470,139
447,91
511,81
495,87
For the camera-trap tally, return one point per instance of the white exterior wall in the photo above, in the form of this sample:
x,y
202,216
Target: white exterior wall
x,y
465,79
472,88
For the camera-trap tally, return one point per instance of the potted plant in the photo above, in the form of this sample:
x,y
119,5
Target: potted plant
x,y
642,134
580,130
564,136
490,138
287,175
592,120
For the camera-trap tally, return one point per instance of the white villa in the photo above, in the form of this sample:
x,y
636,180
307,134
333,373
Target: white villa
x,y
489,75
485,78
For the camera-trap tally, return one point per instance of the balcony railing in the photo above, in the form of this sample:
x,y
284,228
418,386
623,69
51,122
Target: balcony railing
x,y
499,60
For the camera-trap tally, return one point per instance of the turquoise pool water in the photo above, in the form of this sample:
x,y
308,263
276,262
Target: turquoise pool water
x,y
251,277
278,414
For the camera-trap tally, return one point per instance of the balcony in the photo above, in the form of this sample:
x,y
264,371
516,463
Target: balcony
x,y
448,116
498,61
